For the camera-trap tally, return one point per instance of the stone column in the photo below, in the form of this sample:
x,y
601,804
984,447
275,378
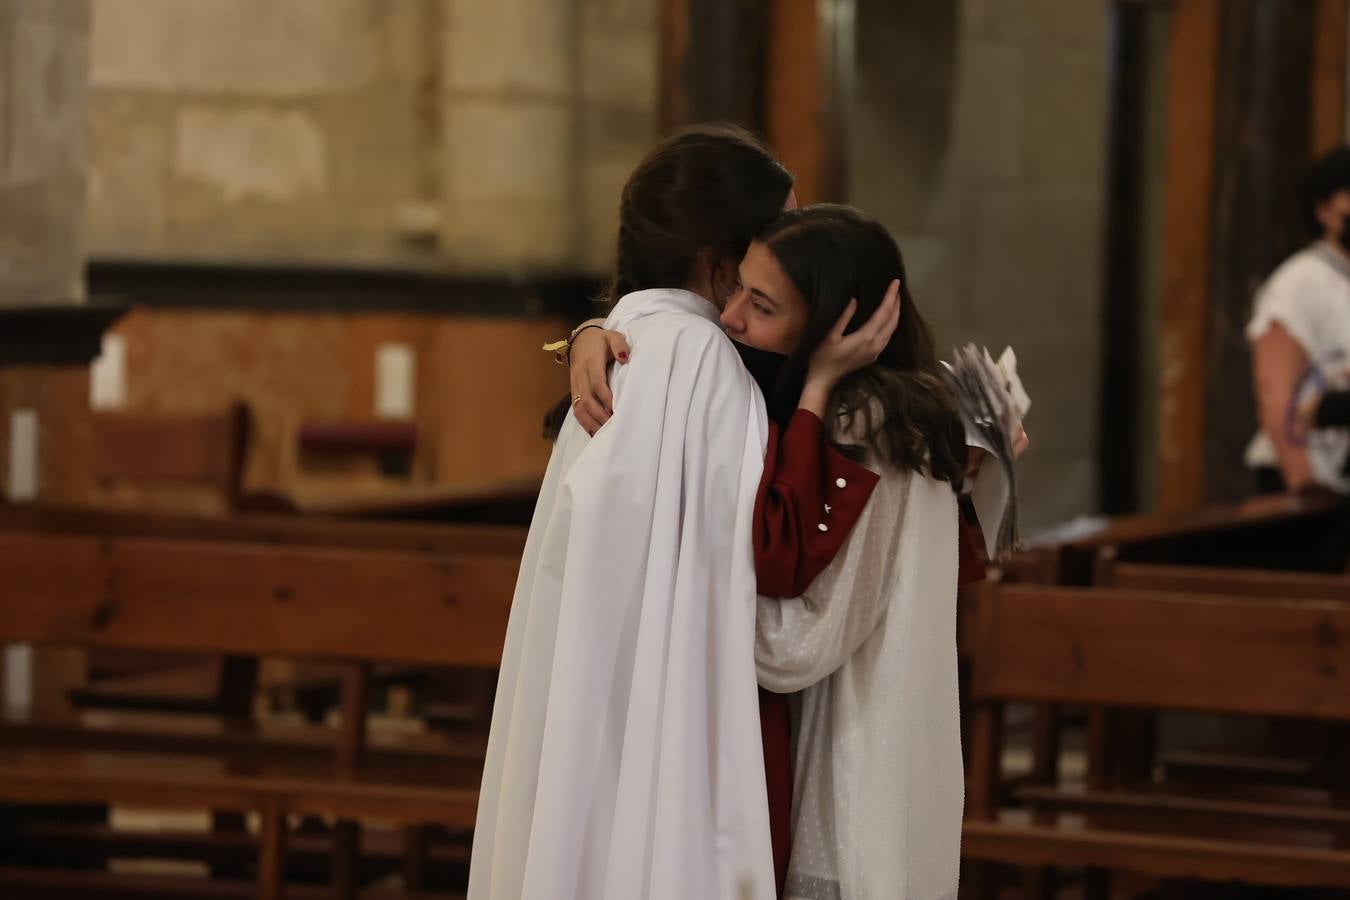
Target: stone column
x,y
510,190
979,144
44,62
620,61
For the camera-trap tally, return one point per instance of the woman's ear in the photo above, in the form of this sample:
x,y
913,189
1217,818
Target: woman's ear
x,y
723,274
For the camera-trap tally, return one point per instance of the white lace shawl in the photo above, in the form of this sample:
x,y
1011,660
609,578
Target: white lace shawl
x,y
871,646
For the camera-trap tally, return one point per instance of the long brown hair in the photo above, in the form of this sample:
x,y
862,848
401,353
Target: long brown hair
x,y
707,187
703,187
908,417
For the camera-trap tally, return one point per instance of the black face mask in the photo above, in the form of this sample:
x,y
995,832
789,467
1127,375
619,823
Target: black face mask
x,y
766,367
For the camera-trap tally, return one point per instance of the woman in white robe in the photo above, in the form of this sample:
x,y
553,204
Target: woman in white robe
x,y
624,760
871,645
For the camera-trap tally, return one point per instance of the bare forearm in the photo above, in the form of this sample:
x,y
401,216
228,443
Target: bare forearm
x,y
1293,460
1273,394
1276,370
816,397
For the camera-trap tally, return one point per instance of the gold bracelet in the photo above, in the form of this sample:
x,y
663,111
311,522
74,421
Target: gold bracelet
x,y
562,350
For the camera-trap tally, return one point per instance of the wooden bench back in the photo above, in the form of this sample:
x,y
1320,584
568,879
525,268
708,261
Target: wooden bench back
x,y
255,599
1107,647
1277,532
158,449
1229,582
301,531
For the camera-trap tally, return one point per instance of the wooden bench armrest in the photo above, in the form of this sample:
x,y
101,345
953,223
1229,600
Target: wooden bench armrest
x,y
1022,844
1163,801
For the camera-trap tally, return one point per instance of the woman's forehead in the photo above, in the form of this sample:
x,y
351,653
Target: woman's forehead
x,y
760,258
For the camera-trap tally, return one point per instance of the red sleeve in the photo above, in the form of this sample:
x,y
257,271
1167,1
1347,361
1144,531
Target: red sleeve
x,y
809,499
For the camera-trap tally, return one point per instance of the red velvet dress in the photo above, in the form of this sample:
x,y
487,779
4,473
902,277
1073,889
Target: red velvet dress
x,y
810,497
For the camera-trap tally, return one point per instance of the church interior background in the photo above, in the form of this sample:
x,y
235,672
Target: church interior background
x,y
295,259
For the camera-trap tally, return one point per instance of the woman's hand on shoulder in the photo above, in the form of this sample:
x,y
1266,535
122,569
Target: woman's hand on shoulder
x,y
588,363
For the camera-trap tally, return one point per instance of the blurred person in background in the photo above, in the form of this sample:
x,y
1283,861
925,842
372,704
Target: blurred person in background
x,y
1300,337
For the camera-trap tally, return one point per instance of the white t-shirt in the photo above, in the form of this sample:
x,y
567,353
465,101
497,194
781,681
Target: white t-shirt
x,y
1309,296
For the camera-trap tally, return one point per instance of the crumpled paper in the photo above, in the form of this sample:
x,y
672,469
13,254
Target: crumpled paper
x,y
993,403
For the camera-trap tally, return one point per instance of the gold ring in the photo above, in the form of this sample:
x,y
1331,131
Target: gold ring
x,y
576,399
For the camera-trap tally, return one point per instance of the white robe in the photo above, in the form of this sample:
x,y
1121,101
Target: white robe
x,y
877,784
625,759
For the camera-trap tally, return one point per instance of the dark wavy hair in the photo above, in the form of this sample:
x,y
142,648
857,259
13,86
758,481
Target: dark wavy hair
x,y
703,187
708,187
1324,176
899,406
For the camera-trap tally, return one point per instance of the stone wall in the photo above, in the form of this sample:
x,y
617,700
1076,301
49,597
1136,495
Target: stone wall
x,y
483,137
44,56
494,138
619,84
979,139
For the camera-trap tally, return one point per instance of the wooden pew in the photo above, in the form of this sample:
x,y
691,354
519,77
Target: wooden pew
x,y
273,530
1285,755
1135,649
1232,582
1284,532
1281,532
383,852
277,530
169,460
354,607
454,539
504,501
143,450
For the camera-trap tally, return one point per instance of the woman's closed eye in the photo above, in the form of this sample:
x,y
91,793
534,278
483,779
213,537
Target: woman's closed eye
x,y
762,303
